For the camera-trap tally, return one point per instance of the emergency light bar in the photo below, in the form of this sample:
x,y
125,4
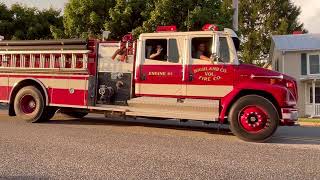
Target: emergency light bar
x,y
127,37
166,29
210,27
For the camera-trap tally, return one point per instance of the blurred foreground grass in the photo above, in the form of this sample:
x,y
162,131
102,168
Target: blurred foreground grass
x,y
310,120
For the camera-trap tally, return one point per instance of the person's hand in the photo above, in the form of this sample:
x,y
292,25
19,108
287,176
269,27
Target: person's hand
x,y
159,51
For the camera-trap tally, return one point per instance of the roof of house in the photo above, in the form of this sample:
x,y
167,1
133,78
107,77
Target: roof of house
x,y
300,42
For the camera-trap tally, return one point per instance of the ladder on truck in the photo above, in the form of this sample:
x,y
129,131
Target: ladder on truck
x,y
71,55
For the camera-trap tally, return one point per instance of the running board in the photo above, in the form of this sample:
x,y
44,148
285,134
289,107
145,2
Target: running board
x,y
192,109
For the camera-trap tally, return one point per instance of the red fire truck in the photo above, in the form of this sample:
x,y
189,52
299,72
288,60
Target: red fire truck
x,y
165,75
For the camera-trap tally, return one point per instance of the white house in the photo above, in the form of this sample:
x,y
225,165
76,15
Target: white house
x,y
299,56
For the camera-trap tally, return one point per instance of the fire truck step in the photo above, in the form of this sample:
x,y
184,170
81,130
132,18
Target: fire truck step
x,y
174,115
194,109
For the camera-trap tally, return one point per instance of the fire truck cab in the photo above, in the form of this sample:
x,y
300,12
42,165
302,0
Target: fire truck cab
x,y
166,75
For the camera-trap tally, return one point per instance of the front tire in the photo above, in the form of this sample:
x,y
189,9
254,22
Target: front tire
x,y
29,104
253,118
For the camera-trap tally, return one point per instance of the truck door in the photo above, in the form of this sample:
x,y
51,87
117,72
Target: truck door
x,y
160,70
208,79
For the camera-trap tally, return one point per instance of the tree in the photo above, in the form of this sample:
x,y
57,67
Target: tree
x,y
84,18
49,18
6,25
124,17
186,14
20,22
260,19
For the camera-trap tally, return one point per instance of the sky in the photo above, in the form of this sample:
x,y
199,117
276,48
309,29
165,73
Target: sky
x,y
310,15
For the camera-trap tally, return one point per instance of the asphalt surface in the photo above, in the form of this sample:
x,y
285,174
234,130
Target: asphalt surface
x,y
94,148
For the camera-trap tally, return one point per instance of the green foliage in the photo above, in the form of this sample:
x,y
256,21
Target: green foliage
x,y
85,18
260,19
124,17
6,25
57,33
21,22
186,14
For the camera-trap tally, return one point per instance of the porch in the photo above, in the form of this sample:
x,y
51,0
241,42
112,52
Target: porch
x,y
313,111
312,96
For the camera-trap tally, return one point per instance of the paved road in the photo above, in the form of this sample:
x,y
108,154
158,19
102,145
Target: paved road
x,y
93,148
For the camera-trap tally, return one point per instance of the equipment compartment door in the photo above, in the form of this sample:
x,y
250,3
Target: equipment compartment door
x,y
72,90
161,70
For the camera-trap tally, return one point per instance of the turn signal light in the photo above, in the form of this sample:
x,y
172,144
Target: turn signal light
x,y
290,85
274,81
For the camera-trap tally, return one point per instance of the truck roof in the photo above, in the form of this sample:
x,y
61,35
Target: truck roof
x,y
226,32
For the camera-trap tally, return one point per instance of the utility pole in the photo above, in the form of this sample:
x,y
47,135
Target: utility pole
x,y
235,5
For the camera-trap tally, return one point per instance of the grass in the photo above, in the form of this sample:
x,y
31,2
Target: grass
x,y
309,120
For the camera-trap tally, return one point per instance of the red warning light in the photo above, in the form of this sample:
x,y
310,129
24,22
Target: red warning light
x,y
166,29
210,27
127,37
297,32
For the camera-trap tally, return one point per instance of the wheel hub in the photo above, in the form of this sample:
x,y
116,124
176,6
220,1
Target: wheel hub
x,y
28,104
253,118
32,104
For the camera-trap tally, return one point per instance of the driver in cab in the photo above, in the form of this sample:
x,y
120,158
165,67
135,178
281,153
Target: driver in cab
x,y
202,52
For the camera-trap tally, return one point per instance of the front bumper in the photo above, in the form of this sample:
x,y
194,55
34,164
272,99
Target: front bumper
x,y
289,116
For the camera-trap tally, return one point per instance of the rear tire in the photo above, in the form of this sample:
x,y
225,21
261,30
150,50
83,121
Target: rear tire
x,y
29,105
253,118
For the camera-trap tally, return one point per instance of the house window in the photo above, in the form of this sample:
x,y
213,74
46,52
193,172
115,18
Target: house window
x,y
314,64
317,95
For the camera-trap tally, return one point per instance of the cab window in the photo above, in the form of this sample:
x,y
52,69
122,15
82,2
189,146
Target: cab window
x,y
202,49
162,50
224,50
173,54
156,49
